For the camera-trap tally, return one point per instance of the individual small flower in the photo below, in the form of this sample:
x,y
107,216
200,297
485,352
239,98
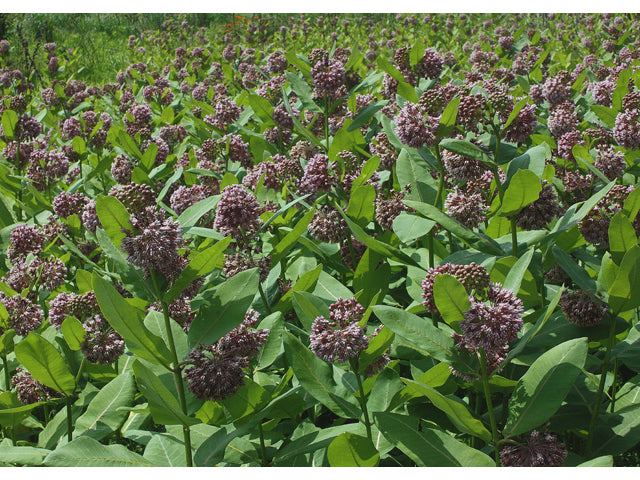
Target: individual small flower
x,y
470,210
217,370
24,239
539,213
237,212
328,225
541,449
24,315
411,128
29,390
582,309
66,204
610,162
627,129
340,337
472,276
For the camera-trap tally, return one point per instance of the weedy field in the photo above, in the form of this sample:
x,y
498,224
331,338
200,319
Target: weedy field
x,y
319,240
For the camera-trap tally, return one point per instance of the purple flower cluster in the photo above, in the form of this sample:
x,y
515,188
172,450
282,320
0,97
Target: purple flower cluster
x,y
412,128
237,212
217,371
582,309
29,390
541,449
340,337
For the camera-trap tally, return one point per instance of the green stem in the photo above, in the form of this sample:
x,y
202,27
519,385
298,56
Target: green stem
x,y
603,378
613,386
487,396
430,246
69,420
82,364
263,449
362,399
264,299
177,373
7,376
514,237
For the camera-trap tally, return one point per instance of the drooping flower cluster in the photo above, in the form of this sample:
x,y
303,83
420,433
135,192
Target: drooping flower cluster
x,y
413,127
468,209
328,226
29,390
217,371
540,449
24,315
339,338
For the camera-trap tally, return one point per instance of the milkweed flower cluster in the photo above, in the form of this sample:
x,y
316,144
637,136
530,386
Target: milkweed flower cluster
x,y
540,449
217,371
473,277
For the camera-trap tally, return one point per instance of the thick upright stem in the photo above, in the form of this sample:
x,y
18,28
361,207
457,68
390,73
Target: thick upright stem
x,y
177,374
7,376
69,420
362,399
430,246
603,378
487,396
263,449
514,237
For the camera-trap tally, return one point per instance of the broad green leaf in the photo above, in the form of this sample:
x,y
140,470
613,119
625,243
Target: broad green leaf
x,y
9,122
308,307
484,244
377,347
73,333
290,239
249,399
575,271
606,114
628,350
451,298
45,363
386,386
429,446
128,322
164,406
6,342
516,110
316,377
164,450
448,118
366,114
372,276
202,264
195,212
457,412
464,148
517,272
408,226
361,206
416,172
224,308
114,217
622,236
28,456
524,189
305,283
12,411
632,204
421,335
349,450
544,386
271,350
624,294
105,413
604,461
87,452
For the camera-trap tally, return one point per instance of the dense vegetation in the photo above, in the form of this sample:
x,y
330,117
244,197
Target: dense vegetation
x,y
319,240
